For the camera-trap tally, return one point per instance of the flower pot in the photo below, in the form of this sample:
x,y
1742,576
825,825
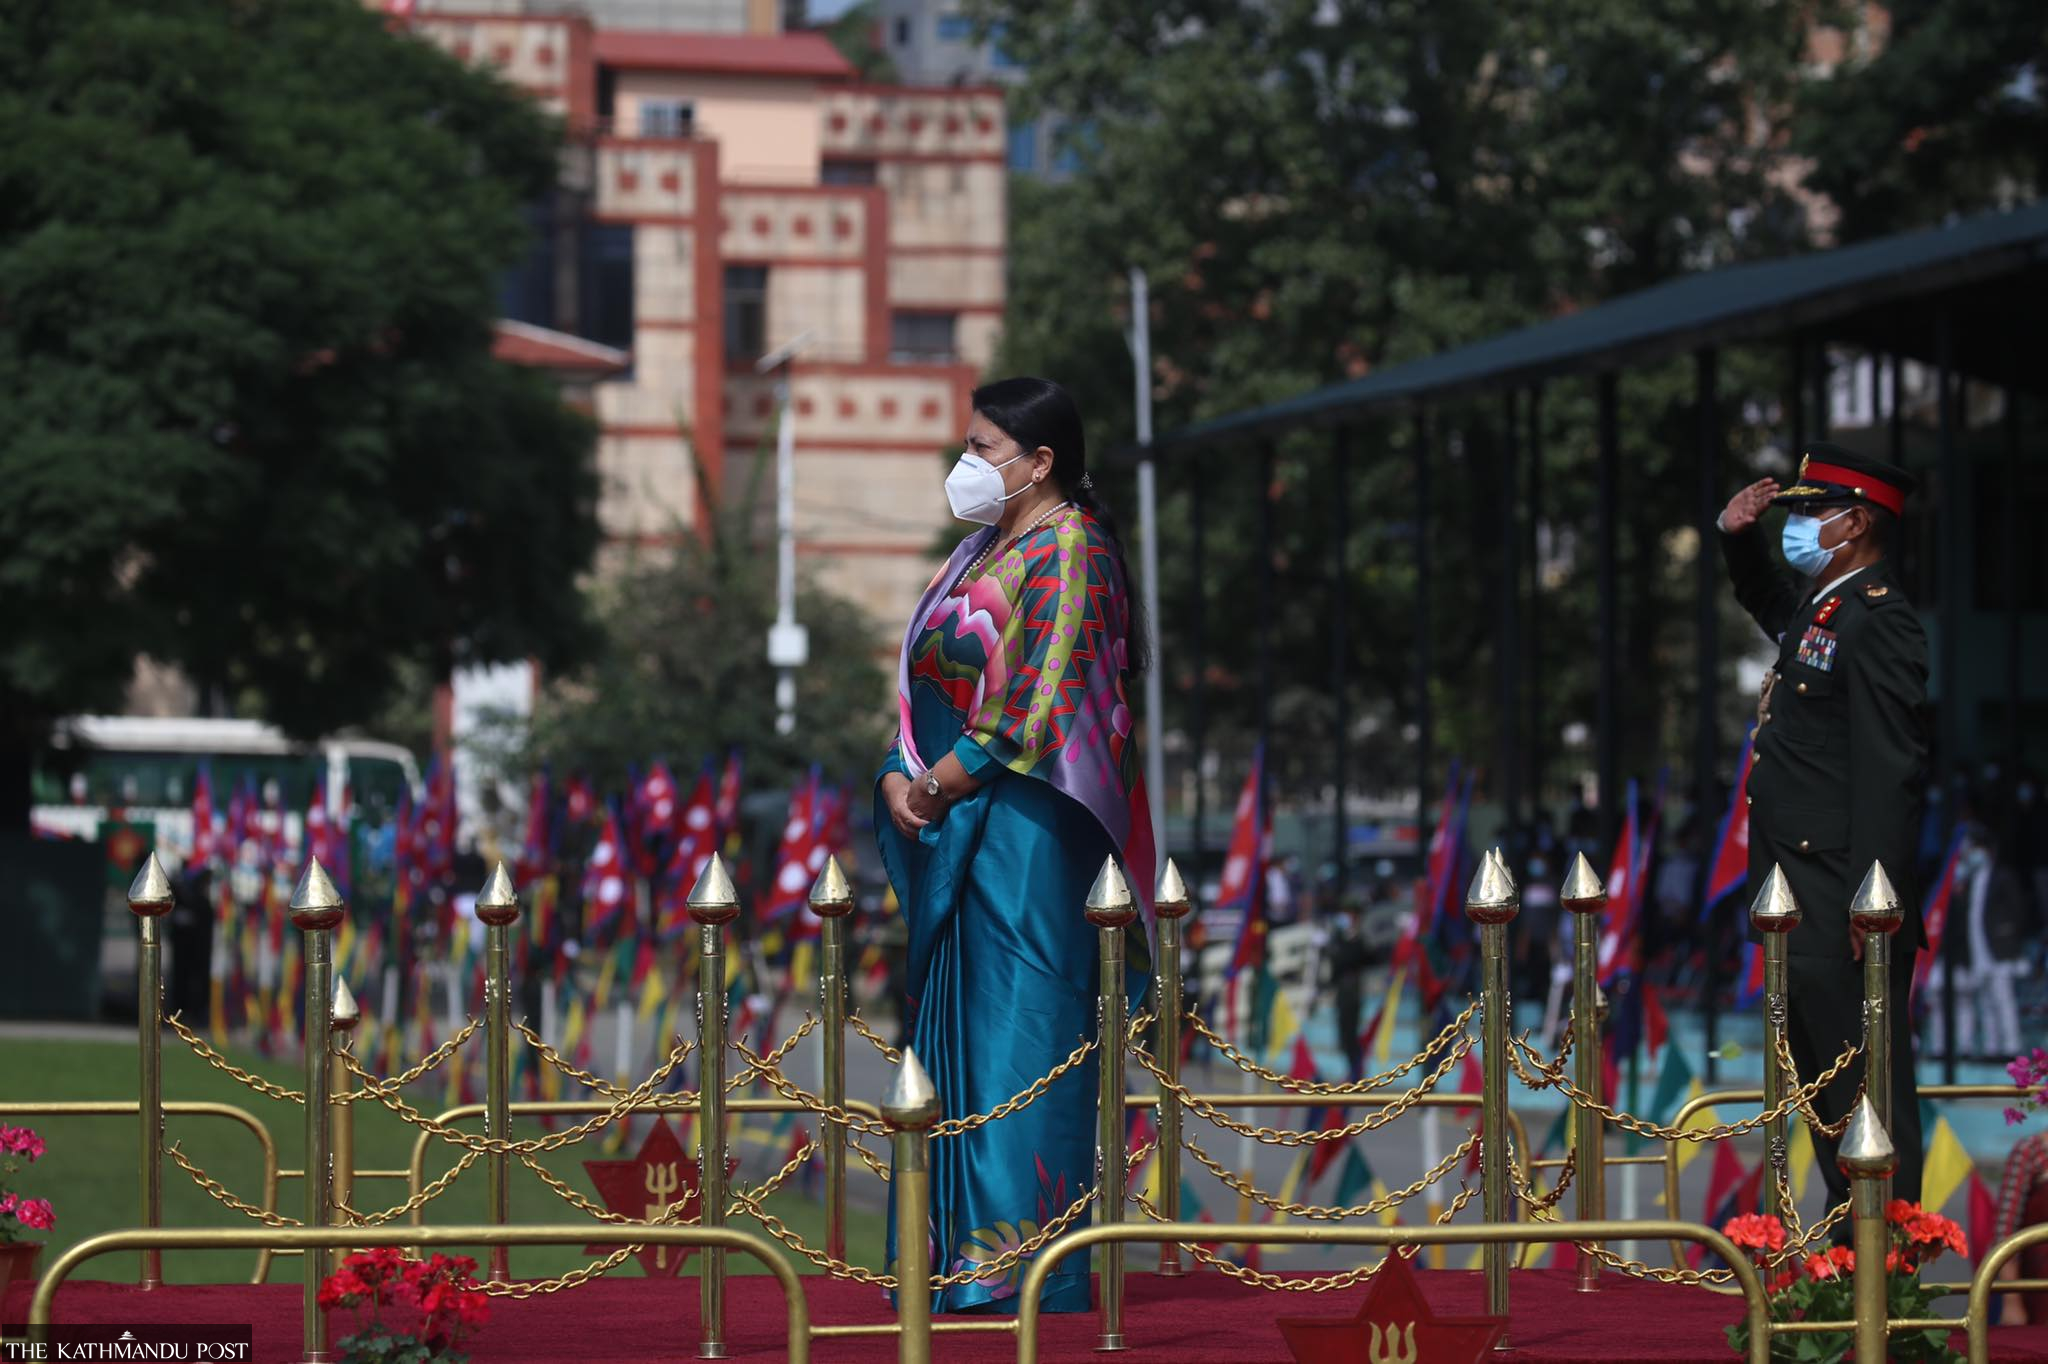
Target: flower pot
x,y
18,1262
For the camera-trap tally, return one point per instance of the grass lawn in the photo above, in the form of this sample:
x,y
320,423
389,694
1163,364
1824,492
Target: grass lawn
x,y
92,1169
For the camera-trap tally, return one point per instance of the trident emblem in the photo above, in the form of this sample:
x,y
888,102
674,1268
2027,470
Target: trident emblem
x,y
1394,1349
662,1183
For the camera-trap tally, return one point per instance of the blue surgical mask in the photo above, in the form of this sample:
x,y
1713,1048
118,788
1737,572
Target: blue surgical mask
x,y
1801,543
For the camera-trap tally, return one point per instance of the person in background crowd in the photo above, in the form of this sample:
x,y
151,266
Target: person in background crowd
x,y
1989,906
1348,957
191,935
2023,1202
1539,922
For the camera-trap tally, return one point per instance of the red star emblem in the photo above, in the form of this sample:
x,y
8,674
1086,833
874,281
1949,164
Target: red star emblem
x,y
640,1188
1392,1326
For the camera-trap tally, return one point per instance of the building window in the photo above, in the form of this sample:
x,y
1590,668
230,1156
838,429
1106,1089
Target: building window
x,y
667,118
526,293
956,28
746,312
922,338
1024,147
608,284
843,172
903,33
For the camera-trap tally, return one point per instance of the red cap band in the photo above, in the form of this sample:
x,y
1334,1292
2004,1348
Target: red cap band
x,y
1878,491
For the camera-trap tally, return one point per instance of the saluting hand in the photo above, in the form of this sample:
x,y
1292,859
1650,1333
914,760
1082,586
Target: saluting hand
x,y
1745,507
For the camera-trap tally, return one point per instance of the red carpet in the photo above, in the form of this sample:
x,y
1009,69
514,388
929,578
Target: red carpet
x,y
1203,1319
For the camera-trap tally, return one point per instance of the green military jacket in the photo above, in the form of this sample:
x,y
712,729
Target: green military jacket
x,y
1841,745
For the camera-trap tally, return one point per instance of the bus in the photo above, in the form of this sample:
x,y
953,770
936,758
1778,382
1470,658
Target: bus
x,y
134,770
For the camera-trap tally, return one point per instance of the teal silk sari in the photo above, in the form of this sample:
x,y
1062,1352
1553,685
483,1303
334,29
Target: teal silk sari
x,y
1018,669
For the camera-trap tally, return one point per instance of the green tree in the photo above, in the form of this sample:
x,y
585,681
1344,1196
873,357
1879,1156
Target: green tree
x,y
681,670
1319,191
250,422
857,33
1943,111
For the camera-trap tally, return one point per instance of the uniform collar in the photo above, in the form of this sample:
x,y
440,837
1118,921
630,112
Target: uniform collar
x,y
1838,582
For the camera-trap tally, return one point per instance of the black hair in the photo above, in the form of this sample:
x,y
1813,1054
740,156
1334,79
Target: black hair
x,y
1035,412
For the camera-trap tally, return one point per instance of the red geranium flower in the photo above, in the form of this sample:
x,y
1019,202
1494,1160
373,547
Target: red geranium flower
x,y
1755,1231
1832,1263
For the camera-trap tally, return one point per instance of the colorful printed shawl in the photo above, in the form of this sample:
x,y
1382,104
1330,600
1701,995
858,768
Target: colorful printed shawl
x,y
1044,693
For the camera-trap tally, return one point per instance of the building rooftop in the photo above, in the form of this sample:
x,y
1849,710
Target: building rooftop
x,y
522,343
783,54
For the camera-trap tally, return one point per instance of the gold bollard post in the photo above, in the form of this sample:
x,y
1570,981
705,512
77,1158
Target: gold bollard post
x,y
713,904
343,1017
1867,1157
1775,913
910,1107
1585,897
1110,908
316,908
149,899
1173,904
497,908
1492,902
1875,909
832,901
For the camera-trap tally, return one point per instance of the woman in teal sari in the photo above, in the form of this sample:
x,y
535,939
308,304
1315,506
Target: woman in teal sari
x,y
1013,776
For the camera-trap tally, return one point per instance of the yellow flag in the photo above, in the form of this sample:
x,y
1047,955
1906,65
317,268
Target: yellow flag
x,y
1387,1216
1690,1151
1948,1168
800,965
1383,1039
1800,1154
1282,1026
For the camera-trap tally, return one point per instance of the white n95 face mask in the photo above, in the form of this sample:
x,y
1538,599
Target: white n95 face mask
x,y
975,488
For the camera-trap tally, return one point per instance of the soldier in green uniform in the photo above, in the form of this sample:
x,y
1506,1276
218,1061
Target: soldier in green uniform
x,y
1841,757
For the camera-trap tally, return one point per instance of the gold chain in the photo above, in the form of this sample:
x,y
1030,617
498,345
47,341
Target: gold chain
x,y
1326,1283
1316,1213
575,1278
953,1127
418,1200
1523,1191
867,1157
433,1059
1281,1136
225,1067
499,1145
1660,1132
1548,1074
773,1058
894,1055
220,1192
789,1089
1368,1085
554,1058
1806,1109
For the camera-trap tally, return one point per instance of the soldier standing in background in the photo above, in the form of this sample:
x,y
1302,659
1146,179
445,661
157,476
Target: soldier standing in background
x,y
1841,758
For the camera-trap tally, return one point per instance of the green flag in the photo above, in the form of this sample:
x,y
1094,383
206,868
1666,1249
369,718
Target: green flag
x,y
1673,1081
1355,1184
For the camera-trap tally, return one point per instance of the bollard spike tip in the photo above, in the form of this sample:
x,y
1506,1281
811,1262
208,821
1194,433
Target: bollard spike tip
x,y
1583,892
1492,897
713,900
316,904
912,1102
1172,899
498,903
1110,903
1776,908
831,893
344,1014
149,894
1866,1149
1875,906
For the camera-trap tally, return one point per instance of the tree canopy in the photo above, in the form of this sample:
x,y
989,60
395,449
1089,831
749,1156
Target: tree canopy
x,y
250,422
681,669
1318,191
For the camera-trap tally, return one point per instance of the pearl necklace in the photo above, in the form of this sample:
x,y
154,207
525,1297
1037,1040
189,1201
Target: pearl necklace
x,y
1045,517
